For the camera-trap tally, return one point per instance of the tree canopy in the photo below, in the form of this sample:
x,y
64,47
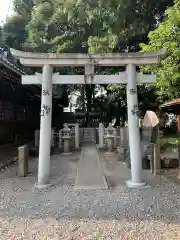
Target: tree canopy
x,y
167,35
82,25
14,32
87,26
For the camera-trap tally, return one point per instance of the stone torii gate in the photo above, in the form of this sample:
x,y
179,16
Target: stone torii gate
x,y
131,78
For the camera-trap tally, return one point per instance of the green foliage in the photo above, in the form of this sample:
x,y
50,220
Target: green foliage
x,y
86,26
167,35
14,30
81,25
23,7
14,33
103,44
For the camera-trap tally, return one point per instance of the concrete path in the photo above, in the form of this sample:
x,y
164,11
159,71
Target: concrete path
x,y
90,174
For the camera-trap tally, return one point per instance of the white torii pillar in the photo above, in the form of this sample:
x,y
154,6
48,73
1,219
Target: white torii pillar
x,y
133,125
44,168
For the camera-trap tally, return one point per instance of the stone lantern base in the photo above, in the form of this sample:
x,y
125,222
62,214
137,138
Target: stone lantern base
x,y
110,143
67,145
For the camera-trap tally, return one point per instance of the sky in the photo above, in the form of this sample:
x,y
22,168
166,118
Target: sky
x,y
4,9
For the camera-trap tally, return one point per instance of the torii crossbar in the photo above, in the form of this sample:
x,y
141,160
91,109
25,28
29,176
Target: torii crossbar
x,y
131,78
96,79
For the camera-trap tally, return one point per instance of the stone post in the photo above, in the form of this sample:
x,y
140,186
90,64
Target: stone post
x,y
133,124
44,169
110,138
118,139
105,137
66,140
122,137
120,148
151,157
37,138
101,135
52,138
77,136
115,140
60,139
157,158
23,155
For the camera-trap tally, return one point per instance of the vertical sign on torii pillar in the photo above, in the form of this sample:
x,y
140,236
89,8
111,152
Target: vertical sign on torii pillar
x,y
130,77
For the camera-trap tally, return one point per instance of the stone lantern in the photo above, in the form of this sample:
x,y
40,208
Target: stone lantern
x,y
66,139
110,138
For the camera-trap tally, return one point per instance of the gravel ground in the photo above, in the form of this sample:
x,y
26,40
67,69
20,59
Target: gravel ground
x,y
62,213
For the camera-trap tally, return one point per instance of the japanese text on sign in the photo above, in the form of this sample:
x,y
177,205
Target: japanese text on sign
x,y
45,93
45,110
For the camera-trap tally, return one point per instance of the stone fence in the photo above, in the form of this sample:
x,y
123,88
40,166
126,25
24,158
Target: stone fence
x,y
119,136
81,135
78,136
109,138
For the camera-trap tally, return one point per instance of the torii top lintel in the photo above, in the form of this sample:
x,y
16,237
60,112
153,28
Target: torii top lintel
x,y
77,59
